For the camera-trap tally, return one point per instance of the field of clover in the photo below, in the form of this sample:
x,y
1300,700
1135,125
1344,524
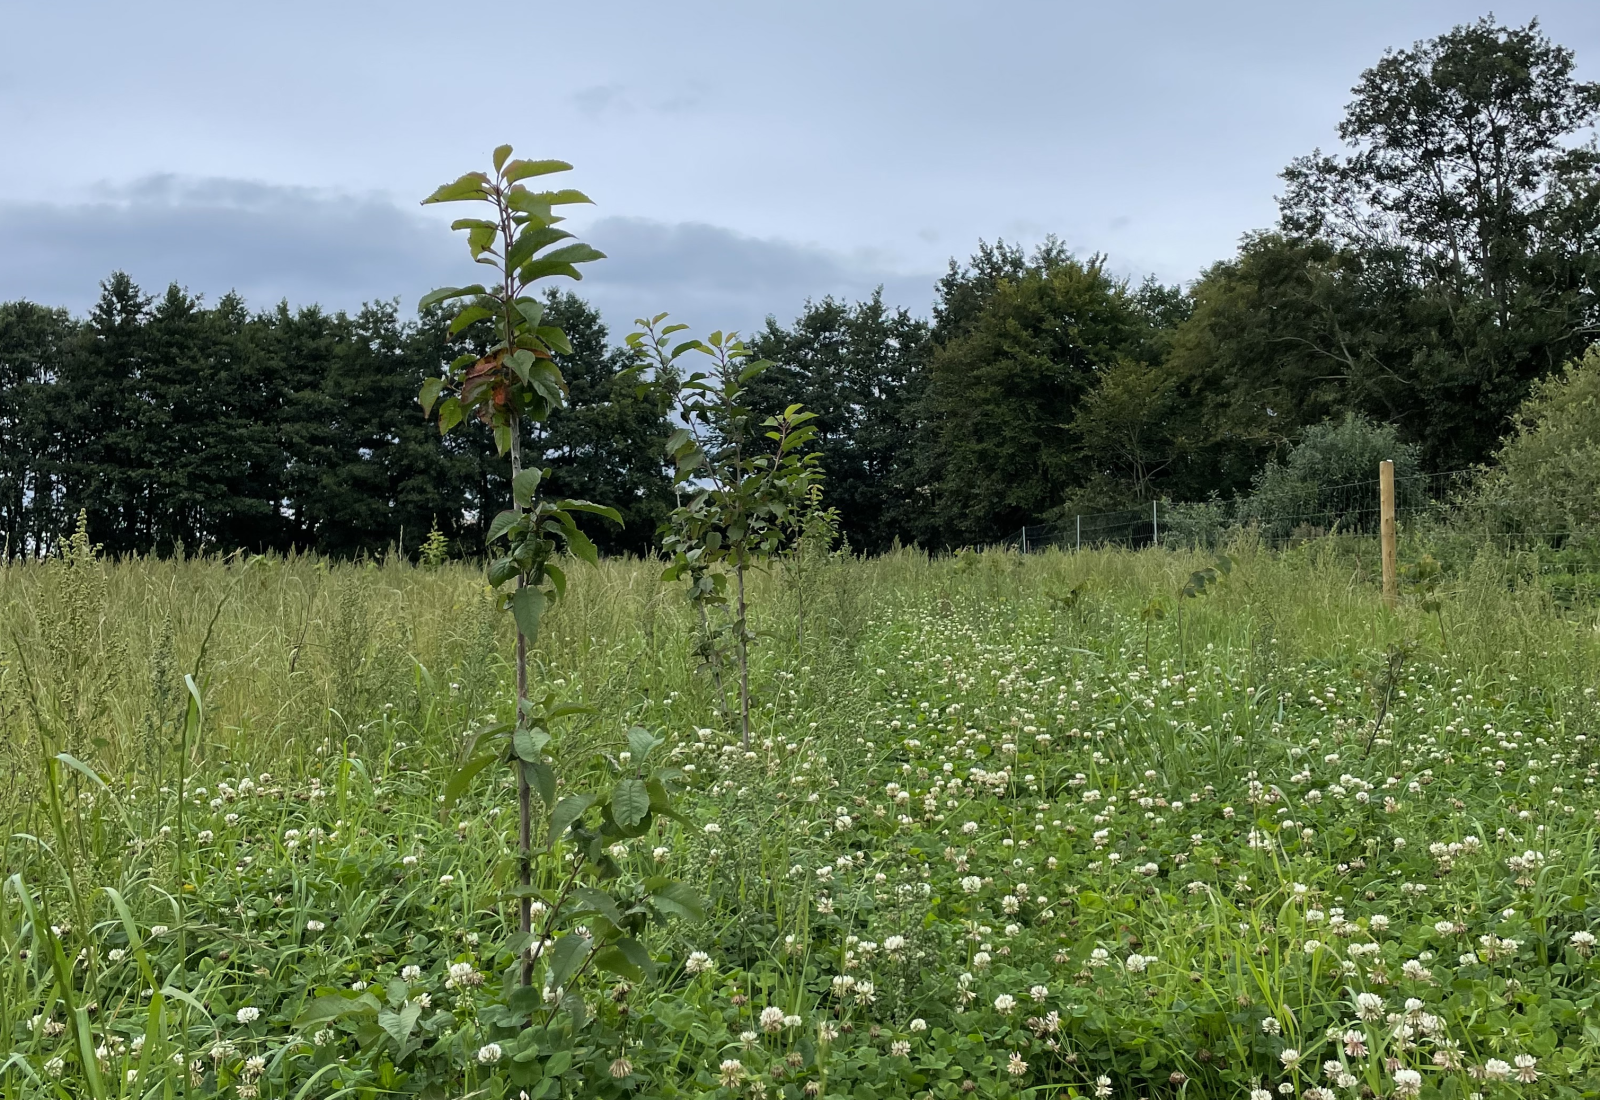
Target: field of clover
x,y
1067,825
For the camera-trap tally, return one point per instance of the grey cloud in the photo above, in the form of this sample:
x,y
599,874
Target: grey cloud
x,y
306,245
215,235
711,277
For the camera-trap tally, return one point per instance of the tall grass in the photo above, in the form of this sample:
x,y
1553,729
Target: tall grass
x,y
346,689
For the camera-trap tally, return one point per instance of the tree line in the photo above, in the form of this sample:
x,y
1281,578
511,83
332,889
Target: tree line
x,y
1424,275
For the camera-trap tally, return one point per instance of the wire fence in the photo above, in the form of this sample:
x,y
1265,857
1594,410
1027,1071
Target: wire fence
x,y
1290,512
1437,515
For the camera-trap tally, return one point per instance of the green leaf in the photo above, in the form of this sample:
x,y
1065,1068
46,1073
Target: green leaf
x,y
614,961
445,293
532,238
335,1005
554,339
588,506
525,169
636,954
543,269
524,485
565,955
582,547
661,802
469,186
598,901
676,898
568,810
630,803
528,744
449,414
462,778
561,198
532,311
573,254
429,394
640,742
399,1024
558,578
469,316
542,778
501,154
527,604
503,522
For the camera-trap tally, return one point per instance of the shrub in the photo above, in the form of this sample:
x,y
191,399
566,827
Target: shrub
x,y
1546,481
1325,483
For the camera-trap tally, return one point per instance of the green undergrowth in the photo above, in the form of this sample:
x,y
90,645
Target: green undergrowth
x,y
1006,826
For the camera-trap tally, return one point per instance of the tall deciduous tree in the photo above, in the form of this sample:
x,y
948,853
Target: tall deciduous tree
x,y
1024,342
1470,161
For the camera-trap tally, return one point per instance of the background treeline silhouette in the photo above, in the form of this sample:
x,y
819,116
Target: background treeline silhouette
x,y
1422,277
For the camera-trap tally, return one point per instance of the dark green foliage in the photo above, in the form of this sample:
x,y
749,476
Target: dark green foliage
x,y
1018,344
1325,481
859,369
178,425
607,444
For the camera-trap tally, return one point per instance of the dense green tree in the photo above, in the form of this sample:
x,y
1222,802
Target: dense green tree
x,y
858,367
1468,173
1020,350
607,445
34,341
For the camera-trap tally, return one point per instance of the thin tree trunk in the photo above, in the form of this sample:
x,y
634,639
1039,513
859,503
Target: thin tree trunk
x,y
744,662
524,789
713,658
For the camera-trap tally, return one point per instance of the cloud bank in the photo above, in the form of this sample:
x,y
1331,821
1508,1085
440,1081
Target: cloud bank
x,y
271,243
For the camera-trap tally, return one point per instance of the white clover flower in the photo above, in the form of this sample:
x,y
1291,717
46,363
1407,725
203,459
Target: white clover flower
x,y
771,1019
1015,1066
1369,1006
919,1025
1005,1003
249,1014
698,963
1102,1087
1290,1057
1271,1026
1496,1070
462,975
731,1072
1526,1073
972,884
1407,1083
1137,963
410,972
1039,993
712,828
489,1053
620,1068
315,926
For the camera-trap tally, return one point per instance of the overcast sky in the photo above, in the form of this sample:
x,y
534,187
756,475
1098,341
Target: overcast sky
x,y
742,156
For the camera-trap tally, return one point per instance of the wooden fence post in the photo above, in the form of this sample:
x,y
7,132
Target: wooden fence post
x,y
1386,532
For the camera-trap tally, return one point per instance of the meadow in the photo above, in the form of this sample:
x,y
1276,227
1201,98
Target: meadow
x,y
1046,825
